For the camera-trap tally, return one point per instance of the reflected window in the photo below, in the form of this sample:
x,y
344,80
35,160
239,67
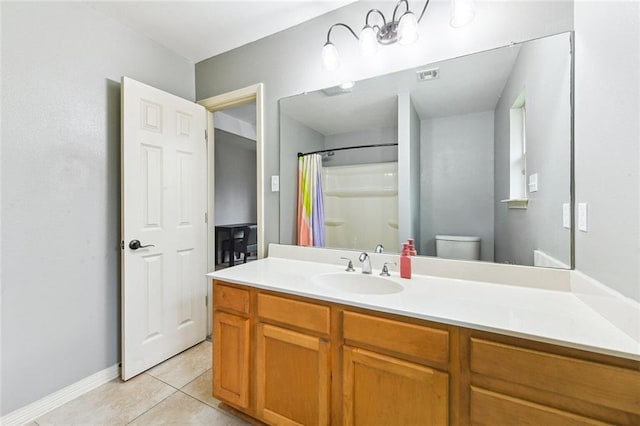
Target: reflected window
x,y
518,148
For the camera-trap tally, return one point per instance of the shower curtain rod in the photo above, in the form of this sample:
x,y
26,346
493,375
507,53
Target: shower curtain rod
x,y
300,154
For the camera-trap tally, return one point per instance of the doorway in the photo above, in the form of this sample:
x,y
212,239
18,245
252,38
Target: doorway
x,y
235,191
224,103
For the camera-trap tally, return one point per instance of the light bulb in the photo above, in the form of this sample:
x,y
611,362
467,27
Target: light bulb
x,y
407,28
461,12
330,57
368,41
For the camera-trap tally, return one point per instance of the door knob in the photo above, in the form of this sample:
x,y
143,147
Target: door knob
x,y
135,245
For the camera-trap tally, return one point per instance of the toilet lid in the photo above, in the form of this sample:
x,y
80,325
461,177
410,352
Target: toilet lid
x,y
458,238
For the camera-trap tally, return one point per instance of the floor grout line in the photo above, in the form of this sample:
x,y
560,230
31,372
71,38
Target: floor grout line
x,y
231,416
155,405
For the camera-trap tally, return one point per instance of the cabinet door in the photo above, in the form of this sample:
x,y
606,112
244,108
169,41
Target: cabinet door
x,y
292,377
231,358
381,390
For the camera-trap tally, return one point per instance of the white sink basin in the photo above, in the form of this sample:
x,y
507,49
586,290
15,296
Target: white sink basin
x,y
354,282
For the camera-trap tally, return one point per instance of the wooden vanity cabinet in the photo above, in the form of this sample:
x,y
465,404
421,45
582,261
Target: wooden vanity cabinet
x,y
288,360
537,383
388,372
293,370
231,345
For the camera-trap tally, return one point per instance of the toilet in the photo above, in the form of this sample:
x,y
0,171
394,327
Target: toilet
x,y
458,247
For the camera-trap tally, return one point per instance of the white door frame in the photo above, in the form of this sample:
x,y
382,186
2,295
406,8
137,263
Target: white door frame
x,y
254,93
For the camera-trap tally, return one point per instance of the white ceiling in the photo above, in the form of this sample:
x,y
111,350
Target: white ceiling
x,y
199,30
468,84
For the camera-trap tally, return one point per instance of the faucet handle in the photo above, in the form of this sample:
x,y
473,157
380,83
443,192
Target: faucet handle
x,y
350,267
385,270
379,248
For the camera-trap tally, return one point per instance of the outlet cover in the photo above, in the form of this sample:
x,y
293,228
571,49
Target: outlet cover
x,y
582,217
275,183
566,215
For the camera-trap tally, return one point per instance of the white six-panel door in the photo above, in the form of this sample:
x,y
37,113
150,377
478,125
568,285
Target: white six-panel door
x,y
164,201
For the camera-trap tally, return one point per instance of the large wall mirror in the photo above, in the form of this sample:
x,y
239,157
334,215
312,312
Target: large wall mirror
x,y
470,156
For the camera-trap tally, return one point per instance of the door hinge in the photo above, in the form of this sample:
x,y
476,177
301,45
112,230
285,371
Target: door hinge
x,y
206,217
206,136
122,244
206,300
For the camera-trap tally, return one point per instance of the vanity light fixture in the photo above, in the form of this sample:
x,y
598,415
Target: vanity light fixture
x,y
402,29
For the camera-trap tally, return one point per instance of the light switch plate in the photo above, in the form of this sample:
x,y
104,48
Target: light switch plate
x,y
582,217
275,183
566,215
533,183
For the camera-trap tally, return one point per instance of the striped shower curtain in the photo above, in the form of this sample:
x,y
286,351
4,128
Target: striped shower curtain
x,y
310,201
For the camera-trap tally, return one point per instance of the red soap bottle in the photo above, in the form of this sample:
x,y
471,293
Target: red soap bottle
x,y
412,248
405,261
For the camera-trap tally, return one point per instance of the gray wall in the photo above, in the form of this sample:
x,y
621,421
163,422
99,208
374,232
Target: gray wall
x,y
62,64
456,181
235,179
543,69
300,139
408,172
366,155
289,62
606,141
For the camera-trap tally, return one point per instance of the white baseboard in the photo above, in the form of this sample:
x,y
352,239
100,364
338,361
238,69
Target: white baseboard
x,y
42,406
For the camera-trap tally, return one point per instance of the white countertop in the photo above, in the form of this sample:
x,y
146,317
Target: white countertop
x,y
553,316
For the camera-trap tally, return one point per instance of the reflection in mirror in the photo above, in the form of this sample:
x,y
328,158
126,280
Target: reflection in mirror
x,y
482,170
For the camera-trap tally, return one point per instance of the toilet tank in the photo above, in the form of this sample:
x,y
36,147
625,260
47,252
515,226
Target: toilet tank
x,y
458,247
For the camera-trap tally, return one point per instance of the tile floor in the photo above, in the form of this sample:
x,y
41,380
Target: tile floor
x,y
177,392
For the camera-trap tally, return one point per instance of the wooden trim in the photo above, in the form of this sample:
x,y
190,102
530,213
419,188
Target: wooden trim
x,y
336,365
460,377
231,99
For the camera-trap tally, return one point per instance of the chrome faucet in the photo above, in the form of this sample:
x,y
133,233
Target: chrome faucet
x,y
385,269
366,262
379,248
350,267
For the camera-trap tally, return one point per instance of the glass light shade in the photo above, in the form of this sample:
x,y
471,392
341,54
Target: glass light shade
x,y
330,57
407,28
461,12
368,41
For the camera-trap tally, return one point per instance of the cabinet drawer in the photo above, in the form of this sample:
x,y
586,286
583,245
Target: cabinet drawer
x,y
600,384
490,408
413,340
227,297
293,312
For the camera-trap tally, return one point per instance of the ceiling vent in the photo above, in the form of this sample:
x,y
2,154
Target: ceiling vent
x,y
430,74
